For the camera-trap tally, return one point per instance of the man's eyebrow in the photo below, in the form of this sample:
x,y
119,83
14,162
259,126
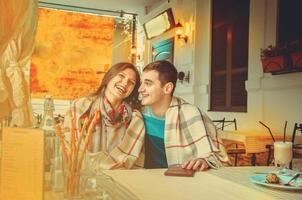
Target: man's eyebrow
x,y
148,80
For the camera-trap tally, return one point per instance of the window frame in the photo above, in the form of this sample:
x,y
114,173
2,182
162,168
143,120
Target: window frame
x,y
224,102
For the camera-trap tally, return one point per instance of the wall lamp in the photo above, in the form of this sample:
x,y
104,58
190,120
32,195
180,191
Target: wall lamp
x,y
179,32
182,76
133,50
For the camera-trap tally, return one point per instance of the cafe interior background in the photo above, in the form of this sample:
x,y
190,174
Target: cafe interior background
x,y
64,51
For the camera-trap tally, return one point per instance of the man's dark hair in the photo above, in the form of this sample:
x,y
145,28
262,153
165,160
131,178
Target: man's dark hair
x,y
167,72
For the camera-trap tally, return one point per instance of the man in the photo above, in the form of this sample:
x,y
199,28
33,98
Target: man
x,y
177,132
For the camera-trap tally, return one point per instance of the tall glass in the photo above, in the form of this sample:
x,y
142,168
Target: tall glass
x,y
283,154
72,186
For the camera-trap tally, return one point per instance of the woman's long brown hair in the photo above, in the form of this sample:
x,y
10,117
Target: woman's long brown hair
x,y
132,99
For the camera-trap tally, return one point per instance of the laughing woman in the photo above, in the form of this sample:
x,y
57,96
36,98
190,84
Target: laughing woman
x,y
117,139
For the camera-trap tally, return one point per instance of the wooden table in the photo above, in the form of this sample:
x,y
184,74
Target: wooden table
x,y
254,141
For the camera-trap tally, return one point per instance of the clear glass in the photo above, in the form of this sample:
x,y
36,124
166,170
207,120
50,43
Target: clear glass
x,y
74,179
99,186
283,154
93,184
73,183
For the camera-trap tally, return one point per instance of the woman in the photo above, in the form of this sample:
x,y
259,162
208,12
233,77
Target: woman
x,y
117,139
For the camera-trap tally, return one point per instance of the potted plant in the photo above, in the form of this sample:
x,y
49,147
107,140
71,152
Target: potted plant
x,y
286,56
296,53
275,58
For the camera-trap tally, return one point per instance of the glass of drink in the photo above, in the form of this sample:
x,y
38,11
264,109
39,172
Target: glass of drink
x,y
283,154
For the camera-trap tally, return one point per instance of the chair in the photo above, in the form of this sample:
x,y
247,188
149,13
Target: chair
x,y
222,123
219,124
297,148
232,148
269,147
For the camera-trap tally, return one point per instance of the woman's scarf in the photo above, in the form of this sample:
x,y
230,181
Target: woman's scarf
x,y
110,131
118,118
119,136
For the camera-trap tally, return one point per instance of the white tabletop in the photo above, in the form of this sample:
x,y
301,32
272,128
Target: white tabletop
x,y
227,183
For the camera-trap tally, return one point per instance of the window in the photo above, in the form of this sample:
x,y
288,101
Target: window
x,y
229,63
163,50
289,16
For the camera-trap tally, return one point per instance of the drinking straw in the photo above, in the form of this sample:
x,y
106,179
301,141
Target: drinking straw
x,y
284,132
268,130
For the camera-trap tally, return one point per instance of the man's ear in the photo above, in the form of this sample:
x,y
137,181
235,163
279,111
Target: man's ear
x,y
168,88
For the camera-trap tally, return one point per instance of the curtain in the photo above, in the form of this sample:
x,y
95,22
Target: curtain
x,y
18,24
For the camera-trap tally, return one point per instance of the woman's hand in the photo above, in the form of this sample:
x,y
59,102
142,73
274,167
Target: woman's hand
x,y
196,164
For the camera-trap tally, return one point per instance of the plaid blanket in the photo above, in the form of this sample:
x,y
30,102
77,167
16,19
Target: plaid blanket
x,y
127,153
189,133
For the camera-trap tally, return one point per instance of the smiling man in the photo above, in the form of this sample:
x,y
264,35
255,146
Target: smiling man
x,y
177,132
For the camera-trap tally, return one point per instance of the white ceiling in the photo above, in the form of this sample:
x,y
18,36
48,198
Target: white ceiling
x,y
132,6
